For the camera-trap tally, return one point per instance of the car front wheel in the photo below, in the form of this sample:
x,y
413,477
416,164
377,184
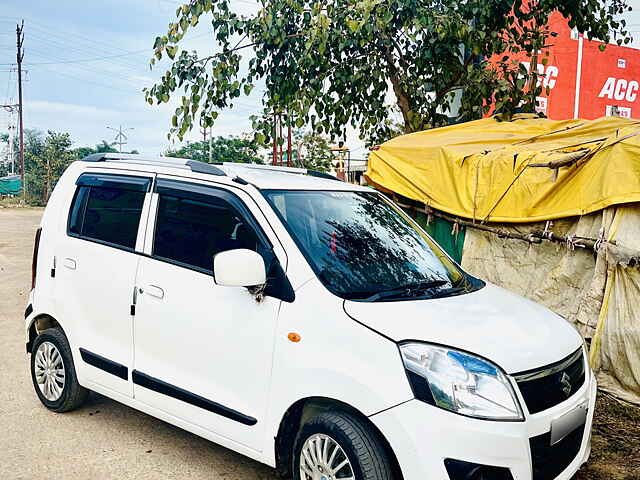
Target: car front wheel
x,y
339,446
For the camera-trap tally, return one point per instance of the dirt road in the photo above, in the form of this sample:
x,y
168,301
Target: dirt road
x,y
102,440
105,439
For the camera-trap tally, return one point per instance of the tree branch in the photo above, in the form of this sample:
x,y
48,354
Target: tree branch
x,y
401,96
454,83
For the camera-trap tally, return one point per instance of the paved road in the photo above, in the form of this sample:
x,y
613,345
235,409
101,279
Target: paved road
x,y
102,440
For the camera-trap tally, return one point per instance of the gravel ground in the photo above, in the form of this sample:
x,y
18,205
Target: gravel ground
x,y
105,439
102,440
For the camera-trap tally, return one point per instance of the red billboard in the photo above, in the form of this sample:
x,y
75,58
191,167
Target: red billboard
x,y
585,82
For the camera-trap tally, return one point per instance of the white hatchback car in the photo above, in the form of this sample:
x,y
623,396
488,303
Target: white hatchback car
x,y
304,322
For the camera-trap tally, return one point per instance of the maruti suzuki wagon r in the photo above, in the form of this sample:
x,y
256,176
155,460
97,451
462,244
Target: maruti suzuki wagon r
x,y
304,322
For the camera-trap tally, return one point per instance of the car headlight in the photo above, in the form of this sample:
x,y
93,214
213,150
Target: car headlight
x,y
460,382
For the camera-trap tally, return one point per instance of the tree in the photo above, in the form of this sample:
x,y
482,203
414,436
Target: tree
x,y
46,158
315,153
102,147
5,168
223,149
45,161
330,64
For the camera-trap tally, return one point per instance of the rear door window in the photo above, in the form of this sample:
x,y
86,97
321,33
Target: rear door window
x,y
107,209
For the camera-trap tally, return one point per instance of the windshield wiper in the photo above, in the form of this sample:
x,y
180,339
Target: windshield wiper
x,y
406,290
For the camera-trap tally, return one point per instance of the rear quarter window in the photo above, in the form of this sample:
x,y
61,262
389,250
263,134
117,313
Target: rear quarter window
x,y
107,209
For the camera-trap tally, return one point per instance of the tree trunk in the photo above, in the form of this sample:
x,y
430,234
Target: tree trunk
x,y
402,99
403,103
47,182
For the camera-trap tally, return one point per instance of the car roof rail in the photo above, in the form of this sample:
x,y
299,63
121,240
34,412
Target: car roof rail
x,y
276,168
184,163
197,166
260,166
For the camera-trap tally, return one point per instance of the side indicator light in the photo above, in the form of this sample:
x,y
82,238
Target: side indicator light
x,y
294,337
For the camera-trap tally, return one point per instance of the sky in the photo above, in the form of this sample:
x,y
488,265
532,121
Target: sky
x,y
87,62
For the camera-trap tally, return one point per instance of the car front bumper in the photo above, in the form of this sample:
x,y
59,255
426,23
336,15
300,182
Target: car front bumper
x,y
423,436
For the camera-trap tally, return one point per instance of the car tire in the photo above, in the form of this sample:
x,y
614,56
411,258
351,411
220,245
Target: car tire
x,y
358,444
53,372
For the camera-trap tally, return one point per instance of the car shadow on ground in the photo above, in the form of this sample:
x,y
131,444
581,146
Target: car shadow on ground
x,y
162,439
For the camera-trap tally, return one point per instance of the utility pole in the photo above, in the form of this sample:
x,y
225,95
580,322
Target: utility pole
x,y
289,149
274,159
203,131
121,138
280,139
19,57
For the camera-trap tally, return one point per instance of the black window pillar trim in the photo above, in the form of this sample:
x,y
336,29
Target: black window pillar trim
x,y
278,284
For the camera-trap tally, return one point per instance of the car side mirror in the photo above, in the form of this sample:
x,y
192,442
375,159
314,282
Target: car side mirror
x,y
239,268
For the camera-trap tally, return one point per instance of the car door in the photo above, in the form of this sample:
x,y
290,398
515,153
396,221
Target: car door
x,y
203,352
96,264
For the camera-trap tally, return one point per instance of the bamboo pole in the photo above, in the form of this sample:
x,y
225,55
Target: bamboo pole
x,y
533,237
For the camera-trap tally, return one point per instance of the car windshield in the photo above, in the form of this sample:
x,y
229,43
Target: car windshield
x,y
362,247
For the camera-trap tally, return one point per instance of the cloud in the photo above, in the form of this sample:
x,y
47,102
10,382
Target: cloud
x,y
88,124
143,79
67,109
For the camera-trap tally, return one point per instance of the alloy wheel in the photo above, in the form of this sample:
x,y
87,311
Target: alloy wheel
x,y
322,458
49,371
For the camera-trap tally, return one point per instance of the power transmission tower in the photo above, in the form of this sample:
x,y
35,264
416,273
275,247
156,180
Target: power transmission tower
x,y
19,58
121,138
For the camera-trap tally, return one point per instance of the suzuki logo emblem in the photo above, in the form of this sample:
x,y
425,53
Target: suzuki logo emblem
x,y
565,382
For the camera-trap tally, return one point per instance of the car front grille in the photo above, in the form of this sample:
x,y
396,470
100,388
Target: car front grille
x,y
548,386
548,461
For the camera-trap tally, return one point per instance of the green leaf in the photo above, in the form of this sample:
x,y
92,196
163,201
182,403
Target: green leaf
x,y
171,51
336,59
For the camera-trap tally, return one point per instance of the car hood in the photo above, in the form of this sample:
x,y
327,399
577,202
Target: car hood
x,y
511,331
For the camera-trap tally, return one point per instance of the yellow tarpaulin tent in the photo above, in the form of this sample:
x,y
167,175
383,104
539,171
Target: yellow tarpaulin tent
x,y
525,170
521,174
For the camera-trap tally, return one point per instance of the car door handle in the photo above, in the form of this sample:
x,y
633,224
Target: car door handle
x,y
154,291
70,263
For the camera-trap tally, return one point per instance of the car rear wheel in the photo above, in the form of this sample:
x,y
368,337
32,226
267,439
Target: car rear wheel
x,y
339,446
53,372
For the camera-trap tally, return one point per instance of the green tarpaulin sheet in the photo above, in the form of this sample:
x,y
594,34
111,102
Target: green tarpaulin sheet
x,y
441,230
10,185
